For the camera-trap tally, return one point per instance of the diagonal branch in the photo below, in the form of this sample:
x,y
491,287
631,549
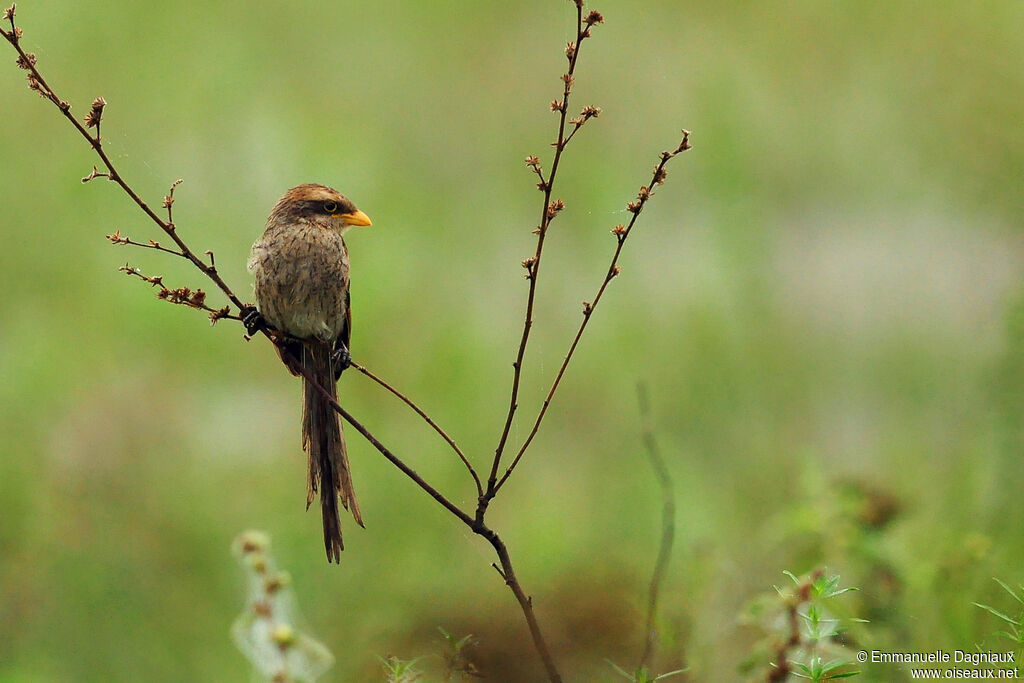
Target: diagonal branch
x,y
621,233
27,61
476,525
419,411
394,459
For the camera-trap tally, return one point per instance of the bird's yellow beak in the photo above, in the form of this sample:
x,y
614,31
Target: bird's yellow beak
x,y
356,218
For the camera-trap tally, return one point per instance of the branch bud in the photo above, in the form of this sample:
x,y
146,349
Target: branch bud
x,y
554,207
92,119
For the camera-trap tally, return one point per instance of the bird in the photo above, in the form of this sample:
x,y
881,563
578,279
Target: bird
x,y
301,270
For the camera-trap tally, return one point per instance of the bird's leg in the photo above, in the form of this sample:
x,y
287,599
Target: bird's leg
x,y
341,359
252,319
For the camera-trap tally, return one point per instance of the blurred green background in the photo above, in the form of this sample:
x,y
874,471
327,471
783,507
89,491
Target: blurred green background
x,y
825,300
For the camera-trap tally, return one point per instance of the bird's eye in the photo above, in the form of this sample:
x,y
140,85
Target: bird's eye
x,y
330,207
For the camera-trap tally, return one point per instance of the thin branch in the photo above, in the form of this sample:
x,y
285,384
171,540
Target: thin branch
x,y
525,602
476,525
550,210
621,233
668,523
419,411
36,82
117,238
184,296
394,459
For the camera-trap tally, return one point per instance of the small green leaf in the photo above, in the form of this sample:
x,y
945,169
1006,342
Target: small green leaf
x,y
994,611
1009,590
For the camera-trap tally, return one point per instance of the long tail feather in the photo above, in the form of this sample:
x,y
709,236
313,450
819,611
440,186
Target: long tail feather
x,y
324,442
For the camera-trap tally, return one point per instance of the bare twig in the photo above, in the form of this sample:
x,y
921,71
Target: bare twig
x,y
419,411
27,61
525,602
668,523
550,210
476,525
184,296
621,233
117,238
395,460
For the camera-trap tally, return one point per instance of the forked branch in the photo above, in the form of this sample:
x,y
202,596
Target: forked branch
x,y
621,233
549,210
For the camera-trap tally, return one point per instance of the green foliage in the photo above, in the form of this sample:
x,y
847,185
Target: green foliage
x,y
803,630
1014,632
832,670
642,675
456,656
399,670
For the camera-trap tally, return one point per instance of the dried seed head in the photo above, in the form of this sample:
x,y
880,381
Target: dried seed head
x,y
619,229
219,315
532,161
634,207
530,264
568,79
570,50
590,111
9,13
554,207
33,84
660,174
92,119
27,61
594,17
644,194
557,105
685,143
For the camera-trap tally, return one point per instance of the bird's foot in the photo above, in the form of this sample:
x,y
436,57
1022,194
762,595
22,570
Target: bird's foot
x,y
252,319
341,358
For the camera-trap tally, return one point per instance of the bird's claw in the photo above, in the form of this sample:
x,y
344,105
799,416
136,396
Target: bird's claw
x,y
341,358
252,319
